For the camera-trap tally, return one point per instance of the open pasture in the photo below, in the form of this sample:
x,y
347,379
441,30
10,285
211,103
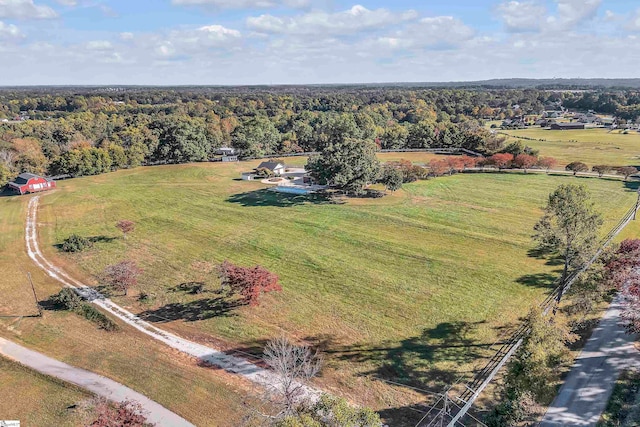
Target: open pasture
x,y
591,146
411,287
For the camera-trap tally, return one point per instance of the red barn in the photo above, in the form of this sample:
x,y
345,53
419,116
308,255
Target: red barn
x,y
30,183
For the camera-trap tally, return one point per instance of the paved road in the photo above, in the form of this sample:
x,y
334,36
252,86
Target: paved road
x,y
102,386
585,393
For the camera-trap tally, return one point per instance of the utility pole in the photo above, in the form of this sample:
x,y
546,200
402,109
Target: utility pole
x,y
35,296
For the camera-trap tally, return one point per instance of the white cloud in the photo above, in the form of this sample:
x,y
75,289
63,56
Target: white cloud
x,y
243,4
574,12
522,16
99,45
126,36
351,21
634,22
68,2
533,15
9,31
439,32
25,9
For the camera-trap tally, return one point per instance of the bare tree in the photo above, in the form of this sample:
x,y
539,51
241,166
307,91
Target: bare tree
x,y
295,366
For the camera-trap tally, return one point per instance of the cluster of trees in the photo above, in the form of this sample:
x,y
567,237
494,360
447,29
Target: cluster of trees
x,y
80,133
451,164
568,230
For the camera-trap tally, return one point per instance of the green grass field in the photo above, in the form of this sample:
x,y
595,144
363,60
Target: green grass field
x,y
414,286
37,400
204,396
592,146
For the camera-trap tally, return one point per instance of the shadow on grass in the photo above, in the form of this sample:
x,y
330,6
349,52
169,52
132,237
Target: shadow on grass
x,y
271,198
51,305
192,288
431,361
6,192
545,254
540,280
194,311
412,361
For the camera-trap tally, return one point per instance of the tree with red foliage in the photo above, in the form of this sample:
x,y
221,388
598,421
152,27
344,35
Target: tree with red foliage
x,y
438,167
502,160
103,413
469,162
547,163
455,163
525,161
621,271
122,276
248,282
126,227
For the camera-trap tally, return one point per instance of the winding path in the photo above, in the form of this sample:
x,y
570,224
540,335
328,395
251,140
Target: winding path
x,y
263,377
586,390
102,386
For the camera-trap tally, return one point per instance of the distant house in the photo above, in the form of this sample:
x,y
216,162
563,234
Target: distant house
x,y
30,183
226,151
275,167
553,114
567,126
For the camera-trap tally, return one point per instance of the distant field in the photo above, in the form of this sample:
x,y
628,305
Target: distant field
x,y
413,286
592,146
37,400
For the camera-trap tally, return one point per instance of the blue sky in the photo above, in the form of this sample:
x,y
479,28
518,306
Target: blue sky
x,y
169,42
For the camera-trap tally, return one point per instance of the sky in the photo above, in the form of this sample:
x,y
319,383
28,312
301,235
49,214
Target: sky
x,y
237,42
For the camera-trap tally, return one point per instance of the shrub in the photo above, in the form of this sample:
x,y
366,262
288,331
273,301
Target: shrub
x,y
76,243
92,314
69,299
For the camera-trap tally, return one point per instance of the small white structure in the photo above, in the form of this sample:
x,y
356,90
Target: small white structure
x,y
248,176
226,151
275,167
229,158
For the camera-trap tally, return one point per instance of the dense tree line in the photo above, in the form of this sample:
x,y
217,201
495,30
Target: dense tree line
x,y
91,131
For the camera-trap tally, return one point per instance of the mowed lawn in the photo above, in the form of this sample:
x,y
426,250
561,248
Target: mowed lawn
x,y
37,400
413,286
204,396
592,146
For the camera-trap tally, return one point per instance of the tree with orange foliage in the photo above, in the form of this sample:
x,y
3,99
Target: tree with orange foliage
x,y
469,162
438,167
248,282
455,164
502,160
525,161
547,163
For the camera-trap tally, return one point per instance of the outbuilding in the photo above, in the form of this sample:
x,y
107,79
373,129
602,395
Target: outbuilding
x,y
275,167
30,183
567,126
226,151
